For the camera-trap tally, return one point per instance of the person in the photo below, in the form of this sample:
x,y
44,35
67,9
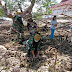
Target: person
x,y
35,30
53,25
33,45
45,28
18,26
34,24
29,24
71,31
14,25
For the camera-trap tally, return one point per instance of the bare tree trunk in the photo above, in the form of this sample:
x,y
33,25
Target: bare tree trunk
x,y
26,14
6,11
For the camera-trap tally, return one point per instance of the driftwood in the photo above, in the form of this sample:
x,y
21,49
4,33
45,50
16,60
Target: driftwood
x,y
54,51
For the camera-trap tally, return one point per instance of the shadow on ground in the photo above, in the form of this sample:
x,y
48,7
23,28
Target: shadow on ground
x,y
62,46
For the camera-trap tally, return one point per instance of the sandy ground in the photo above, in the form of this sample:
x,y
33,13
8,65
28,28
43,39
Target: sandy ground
x,y
46,61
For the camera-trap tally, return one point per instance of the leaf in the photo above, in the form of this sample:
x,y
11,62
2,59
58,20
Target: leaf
x,y
50,11
56,63
1,12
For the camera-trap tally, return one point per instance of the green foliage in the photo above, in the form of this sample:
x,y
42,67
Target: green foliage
x,y
46,4
50,11
37,15
13,5
57,63
1,12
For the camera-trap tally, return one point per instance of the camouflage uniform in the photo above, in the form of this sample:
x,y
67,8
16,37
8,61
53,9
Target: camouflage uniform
x,y
32,45
18,25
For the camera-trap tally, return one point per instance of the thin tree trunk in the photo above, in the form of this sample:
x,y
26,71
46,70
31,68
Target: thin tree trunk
x,y
26,14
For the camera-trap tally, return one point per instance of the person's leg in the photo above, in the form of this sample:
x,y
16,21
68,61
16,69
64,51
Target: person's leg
x,y
38,51
28,48
22,34
52,33
35,51
18,34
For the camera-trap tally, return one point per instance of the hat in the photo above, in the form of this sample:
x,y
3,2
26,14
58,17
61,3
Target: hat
x,y
18,12
37,37
38,29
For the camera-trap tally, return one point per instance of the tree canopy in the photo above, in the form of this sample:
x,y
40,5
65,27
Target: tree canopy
x,y
26,10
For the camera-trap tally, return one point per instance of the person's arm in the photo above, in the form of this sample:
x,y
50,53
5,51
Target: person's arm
x,y
33,53
38,54
31,46
56,23
70,27
32,50
38,49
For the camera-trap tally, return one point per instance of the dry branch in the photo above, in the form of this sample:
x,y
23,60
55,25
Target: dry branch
x,y
24,14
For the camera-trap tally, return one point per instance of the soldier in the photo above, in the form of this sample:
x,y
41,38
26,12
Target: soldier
x,y
33,44
18,26
36,30
29,23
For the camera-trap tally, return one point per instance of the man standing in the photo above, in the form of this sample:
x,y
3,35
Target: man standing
x,y
18,26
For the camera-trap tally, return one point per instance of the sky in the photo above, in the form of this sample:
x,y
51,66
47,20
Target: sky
x,y
59,1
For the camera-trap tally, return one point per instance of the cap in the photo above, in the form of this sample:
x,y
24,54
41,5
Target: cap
x,y
37,37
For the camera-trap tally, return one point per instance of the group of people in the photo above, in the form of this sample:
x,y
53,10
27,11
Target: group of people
x,y
34,42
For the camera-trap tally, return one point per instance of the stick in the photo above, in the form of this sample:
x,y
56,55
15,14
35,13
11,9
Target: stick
x,y
55,62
